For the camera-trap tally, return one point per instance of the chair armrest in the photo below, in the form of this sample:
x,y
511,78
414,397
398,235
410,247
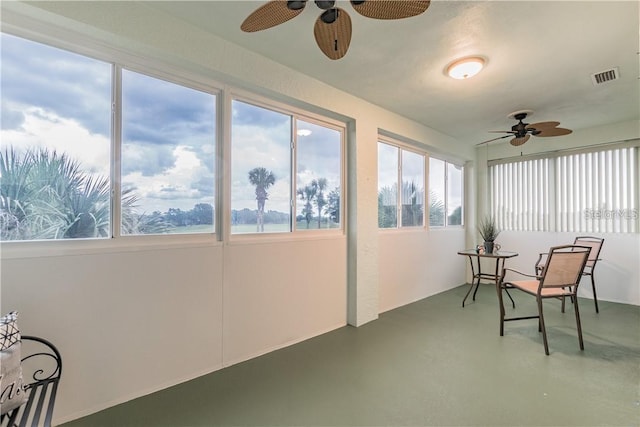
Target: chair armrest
x,y
504,282
504,272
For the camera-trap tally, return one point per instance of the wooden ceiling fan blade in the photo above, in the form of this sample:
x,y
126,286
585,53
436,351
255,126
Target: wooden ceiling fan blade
x,y
553,132
390,9
519,141
502,131
543,125
546,129
269,15
333,38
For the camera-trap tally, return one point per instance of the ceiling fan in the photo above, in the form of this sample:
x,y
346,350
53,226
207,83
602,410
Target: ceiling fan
x,y
523,131
332,29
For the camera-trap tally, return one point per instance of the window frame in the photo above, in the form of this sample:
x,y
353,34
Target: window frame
x,y
119,60
59,38
401,147
116,144
446,195
296,114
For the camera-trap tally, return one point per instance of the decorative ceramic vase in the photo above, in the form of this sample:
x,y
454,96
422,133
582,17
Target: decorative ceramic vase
x,y
488,247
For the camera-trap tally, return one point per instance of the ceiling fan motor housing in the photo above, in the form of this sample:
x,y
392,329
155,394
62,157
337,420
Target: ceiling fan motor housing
x,y
296,5
520,129
325,4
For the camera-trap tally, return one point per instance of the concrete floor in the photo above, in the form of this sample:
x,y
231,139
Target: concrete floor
x,y
430,363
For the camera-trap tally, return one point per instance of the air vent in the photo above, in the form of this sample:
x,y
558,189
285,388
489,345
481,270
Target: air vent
x,y
605,76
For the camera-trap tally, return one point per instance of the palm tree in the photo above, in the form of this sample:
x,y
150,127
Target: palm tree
x,y
46,195
412,204
319,186
262,179
14,191
307,194
436,210
387,206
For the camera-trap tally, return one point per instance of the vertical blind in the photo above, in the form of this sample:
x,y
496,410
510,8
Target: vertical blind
x,y
583,192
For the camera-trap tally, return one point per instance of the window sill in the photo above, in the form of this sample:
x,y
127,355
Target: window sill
x,y
70,247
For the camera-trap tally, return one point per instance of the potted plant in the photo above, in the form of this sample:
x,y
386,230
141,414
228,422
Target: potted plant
x,y
489,231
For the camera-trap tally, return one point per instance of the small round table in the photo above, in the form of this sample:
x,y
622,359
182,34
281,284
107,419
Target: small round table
x,y
499,256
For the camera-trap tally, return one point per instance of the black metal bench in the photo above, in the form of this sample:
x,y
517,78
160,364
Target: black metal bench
x,y
41,370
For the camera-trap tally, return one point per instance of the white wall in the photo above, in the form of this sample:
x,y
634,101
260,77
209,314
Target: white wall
x,y
288,292
130,318
418,264
617,275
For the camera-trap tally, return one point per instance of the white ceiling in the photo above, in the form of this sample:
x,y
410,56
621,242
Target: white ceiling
x,y
540,57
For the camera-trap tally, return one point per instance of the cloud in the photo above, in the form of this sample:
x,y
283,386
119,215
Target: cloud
x,y
11,119
146,159
174,188
247,114
70,85
165,113
42,128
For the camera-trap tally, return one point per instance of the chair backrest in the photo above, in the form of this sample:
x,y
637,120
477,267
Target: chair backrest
x,y
41,370
595,243
564,266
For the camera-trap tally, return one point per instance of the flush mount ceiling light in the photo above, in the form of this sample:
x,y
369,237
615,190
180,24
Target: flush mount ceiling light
x,y
303,132
466,67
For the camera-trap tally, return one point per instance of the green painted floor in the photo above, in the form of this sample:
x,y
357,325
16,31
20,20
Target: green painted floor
x,y
431,363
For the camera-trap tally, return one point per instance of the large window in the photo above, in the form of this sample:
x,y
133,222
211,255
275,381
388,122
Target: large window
x,y
454,194
168,157
286,171
318,177
437,192
578,192
59,149
400,169
388,166
446,193
56,133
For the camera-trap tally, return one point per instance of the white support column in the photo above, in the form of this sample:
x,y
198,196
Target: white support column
x,y
362,224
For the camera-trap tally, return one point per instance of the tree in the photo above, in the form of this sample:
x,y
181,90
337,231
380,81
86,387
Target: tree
x,y
436,210
319,186
387,207
202,213
333,205
307,195
412,201
262,179
456,217
47,195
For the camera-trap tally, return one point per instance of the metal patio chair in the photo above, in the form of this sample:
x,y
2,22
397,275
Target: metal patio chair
x,y
559,278
595,243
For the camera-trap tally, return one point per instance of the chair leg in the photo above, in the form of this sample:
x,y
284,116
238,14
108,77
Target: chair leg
x,y
544,330
578,325
499,289
595,298
563,304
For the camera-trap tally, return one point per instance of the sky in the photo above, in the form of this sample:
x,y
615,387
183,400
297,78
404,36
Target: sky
x,y
262,138
62,101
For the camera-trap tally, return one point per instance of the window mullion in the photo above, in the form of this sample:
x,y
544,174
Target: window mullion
x,y
293,221
116,150
399,197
